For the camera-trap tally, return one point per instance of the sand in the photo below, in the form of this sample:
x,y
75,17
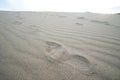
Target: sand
x,y
59,46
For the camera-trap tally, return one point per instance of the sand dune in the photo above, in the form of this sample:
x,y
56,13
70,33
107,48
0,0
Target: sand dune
x,y
59,46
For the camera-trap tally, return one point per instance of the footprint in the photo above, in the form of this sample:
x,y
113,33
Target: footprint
x,y
32,29
100,22
80,17
20,17
81,64
17,22
79,24
61,16
79,61
56,52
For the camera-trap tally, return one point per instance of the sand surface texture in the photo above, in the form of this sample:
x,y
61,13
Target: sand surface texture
x,y
59,46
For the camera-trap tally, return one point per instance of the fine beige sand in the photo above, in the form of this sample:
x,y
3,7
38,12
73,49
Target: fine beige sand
x,y
59,46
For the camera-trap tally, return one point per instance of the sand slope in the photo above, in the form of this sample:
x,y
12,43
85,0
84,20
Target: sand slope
x,y
59,46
